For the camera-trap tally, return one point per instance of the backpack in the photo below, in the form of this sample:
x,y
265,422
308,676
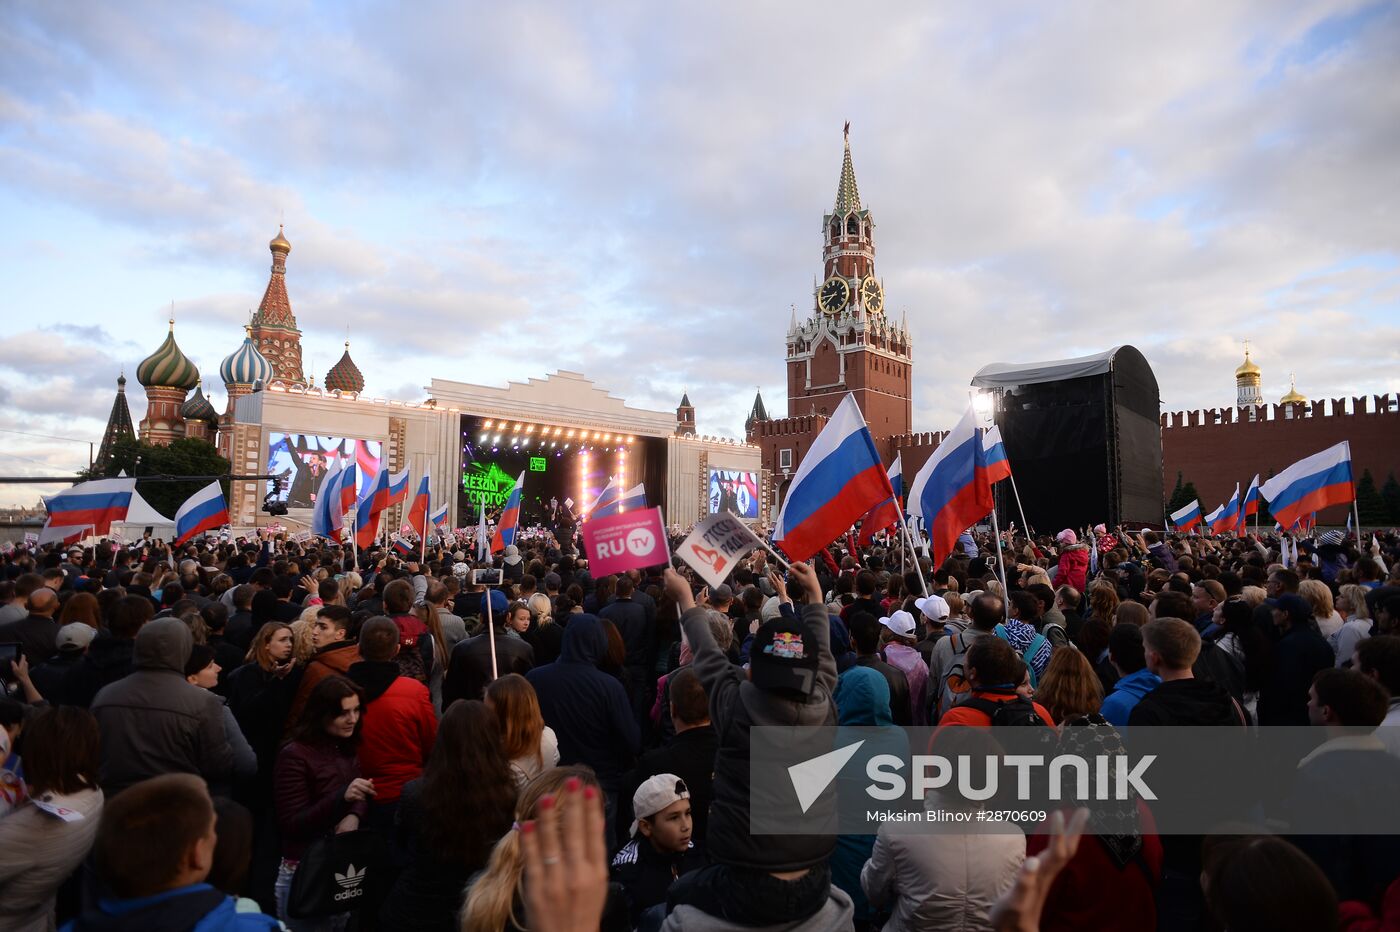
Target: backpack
x,y
955,687
410,658
1028,654
1015,712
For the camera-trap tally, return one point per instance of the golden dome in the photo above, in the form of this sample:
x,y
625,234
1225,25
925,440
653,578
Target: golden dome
x,y
1247,367
279,242
1294,397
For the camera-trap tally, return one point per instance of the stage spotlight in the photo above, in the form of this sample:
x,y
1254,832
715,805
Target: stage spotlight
x,y
486,423
529,428
497,439
483,437
566,446
553,444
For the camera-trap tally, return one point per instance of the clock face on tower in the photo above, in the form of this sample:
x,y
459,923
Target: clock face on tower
x,y
835,294
873,294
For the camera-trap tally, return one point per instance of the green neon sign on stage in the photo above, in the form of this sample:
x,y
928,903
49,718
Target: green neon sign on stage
x,y
487,480
537,463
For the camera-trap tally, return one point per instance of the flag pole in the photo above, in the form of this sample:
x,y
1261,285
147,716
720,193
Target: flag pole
x,y
427,512
1030,532
1355,508
491,630
1001,564
909,541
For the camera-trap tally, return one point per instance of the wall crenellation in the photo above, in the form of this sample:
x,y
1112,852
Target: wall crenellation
x,y
1373,406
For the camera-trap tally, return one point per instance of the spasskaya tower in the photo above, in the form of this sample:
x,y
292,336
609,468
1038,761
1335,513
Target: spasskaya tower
x,y
848,344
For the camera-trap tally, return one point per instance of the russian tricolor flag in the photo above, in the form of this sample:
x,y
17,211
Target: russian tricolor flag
x,y
840,479
95,504
1311,484
631,500
886,513
998,466
1226,517
439,520
404,547
398,487
326,518
1187,518
510,517
202,512
952,492
418,511
896,476
350,478
372,503
1250,505
607,497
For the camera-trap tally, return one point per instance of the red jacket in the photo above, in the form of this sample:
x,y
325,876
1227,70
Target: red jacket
x,y
1074,567
397,730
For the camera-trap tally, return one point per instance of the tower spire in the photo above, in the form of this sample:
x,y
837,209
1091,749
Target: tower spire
x,y
847,193
119,426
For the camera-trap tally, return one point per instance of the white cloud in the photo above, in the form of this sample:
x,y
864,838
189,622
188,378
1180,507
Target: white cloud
x,y
634,192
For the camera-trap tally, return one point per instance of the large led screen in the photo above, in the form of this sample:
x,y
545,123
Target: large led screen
x,y
301,460
734,491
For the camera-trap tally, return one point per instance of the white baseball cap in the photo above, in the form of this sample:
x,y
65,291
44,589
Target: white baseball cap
x,y
934,607
900,623
656,794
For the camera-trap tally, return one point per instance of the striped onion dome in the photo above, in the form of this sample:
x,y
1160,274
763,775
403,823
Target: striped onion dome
x,y
246,366
198,408
345,375
167,367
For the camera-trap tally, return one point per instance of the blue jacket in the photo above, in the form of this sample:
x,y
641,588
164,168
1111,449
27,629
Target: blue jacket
x,y
862,699
587,708
196,908
1126,693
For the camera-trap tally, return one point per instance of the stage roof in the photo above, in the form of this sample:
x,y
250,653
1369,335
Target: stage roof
x,y
1006,374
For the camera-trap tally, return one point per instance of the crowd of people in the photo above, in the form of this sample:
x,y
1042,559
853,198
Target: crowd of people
x,y
191,735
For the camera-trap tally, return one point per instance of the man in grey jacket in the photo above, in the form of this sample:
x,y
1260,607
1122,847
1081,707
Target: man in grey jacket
x,y
154,722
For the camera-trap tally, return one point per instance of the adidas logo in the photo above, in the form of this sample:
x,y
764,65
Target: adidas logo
x,y
349,883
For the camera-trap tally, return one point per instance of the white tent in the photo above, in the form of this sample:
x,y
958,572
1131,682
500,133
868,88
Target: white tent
x,y
141,516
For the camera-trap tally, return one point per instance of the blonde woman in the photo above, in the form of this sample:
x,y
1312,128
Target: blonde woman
x,y
1351,605
1319,598
546,637
495,901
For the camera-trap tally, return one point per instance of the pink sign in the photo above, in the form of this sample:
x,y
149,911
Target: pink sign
x,y
631,540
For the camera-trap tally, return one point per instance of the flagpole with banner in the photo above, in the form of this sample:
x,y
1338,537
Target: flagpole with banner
x,y
1030,532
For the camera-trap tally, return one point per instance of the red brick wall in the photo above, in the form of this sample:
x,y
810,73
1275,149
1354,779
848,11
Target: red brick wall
x,y
1215,449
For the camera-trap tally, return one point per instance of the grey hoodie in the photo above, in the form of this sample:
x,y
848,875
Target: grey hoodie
x,y
154,722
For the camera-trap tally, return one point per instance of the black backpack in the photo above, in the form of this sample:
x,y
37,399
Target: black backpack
x,y
1018,711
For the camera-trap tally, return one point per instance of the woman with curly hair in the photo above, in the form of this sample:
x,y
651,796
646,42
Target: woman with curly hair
x,y
450,818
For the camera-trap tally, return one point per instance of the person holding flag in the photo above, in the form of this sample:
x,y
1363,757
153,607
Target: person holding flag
x,y
202,512
630,500
840,479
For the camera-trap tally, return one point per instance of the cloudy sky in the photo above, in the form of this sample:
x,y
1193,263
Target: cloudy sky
x,y
489,192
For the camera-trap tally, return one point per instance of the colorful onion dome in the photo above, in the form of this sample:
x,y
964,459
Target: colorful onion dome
x,y
167,367
246,366
198,408
345,375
